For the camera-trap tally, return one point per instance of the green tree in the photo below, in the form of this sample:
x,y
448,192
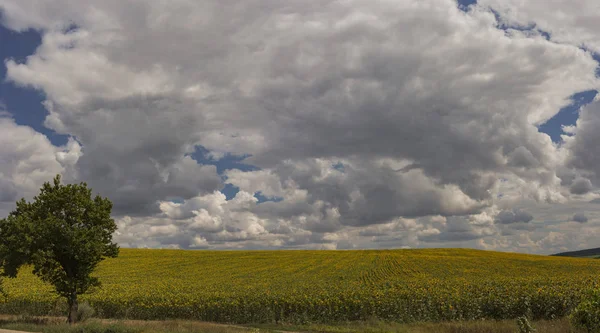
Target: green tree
x,y
64,234
15,245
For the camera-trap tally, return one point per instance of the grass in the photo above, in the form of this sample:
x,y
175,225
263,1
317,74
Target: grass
x,y
56,325
502,326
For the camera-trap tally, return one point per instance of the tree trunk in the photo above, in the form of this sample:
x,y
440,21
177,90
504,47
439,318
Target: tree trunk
x,y
73,307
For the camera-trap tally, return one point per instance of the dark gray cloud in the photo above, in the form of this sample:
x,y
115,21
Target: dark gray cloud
x,y
522,157
367,194
581,186
513,216
580,217
8,191
134,151
456,229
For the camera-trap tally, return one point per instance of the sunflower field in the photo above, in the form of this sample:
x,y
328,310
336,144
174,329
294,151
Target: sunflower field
x,y
321,286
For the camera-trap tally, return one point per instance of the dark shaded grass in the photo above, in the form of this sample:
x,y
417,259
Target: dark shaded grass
x,y
57,325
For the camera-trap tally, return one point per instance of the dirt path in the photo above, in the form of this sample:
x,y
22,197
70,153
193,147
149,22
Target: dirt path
x,y
9,331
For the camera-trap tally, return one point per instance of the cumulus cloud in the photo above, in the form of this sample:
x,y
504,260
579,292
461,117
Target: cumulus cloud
x,y
581,186
513,216
580,217
371,136
137,150
583,147
459,229
27,160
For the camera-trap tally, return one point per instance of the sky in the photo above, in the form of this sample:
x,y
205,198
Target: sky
x,y
305,124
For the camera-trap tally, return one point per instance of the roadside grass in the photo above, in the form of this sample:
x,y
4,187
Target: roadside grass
x,y
57,325
482,326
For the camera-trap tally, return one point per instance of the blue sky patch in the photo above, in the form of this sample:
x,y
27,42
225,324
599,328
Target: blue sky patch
x,y
230,191
262,198
24,104
567,116
463,4
339,166
229,161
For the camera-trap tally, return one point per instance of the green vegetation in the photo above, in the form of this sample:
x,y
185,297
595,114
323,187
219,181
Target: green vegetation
x,y
586,315
303,287
56,325
63,234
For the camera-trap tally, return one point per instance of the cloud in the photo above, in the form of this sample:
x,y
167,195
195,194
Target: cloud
x,y
27,160
136,150
439,124
513,216
566,22
456,229
583,150
581,186
580,217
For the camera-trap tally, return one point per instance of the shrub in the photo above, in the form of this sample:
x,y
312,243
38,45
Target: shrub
x,y
2,292
586,315
85,311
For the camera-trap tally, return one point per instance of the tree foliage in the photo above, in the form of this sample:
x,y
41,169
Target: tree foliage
x,y
64,234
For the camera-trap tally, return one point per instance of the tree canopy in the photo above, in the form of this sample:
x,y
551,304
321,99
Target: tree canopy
x,y
64,234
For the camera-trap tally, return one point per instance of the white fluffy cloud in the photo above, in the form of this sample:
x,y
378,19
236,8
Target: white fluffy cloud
x,y
374,123
27,160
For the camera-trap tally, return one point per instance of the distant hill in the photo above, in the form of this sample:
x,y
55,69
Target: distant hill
x,y
589,253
